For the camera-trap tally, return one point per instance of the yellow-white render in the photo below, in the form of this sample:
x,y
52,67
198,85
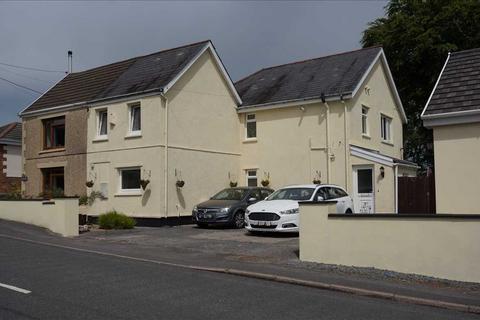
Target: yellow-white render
x,y
196,134
299,142
457,155
195,119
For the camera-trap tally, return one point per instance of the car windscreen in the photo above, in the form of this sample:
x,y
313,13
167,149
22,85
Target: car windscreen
x,y
298,194
230,194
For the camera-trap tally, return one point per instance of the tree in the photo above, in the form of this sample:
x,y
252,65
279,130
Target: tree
x,y
416,37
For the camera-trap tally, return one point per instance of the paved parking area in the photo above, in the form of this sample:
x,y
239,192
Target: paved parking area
x,y
231,244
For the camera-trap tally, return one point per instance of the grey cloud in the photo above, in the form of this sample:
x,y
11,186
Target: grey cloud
x,y
248,35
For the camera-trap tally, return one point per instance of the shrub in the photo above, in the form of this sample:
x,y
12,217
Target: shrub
x,y
115,220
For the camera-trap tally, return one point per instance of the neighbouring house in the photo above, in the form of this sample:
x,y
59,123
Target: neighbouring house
x,y
11,157
335,119
167,119
453,112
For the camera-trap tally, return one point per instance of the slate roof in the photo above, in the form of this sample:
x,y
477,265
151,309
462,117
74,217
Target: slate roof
x,y
332,75
130,76
458,88
11,132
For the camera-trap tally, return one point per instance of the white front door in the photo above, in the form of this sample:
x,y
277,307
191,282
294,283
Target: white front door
x,y
363,189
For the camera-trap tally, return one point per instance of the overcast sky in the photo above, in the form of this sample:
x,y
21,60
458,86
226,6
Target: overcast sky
x,y
247,35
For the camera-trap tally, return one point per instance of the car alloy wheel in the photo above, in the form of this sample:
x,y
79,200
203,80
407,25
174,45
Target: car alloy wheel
x,y
239,220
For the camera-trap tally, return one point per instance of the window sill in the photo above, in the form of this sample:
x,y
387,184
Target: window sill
x,y
51,150
133,135
100,139
387,143
366,136
250,140
129,194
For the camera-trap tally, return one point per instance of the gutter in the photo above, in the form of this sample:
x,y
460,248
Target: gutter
x,y
84,103
291,103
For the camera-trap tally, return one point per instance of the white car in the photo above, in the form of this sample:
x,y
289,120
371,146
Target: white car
x,y
279,211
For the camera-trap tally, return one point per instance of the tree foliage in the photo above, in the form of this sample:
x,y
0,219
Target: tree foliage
x,y
416,37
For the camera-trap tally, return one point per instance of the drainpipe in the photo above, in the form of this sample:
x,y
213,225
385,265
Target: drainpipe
x,y
395,168
345,144
165,170
327,112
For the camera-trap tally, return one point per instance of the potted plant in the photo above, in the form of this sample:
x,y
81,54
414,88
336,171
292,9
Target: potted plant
x,y
144,183
89,184
266,179
180,183
233,184
316,181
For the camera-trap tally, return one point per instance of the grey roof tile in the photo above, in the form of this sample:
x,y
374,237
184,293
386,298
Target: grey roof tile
x,y
331,75
11,131
130,76
459,86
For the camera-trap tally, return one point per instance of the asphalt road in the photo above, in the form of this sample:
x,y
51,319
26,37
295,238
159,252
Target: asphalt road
x,y
68,284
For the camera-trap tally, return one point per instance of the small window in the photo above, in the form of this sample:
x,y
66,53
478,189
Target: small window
x,y
102,120
251,125
385,124
135,119
54,133
252,180
364,120
130,179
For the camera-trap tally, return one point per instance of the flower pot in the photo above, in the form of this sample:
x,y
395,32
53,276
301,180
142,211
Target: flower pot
x,y
316,181
89,184
233,184
265,183
180,183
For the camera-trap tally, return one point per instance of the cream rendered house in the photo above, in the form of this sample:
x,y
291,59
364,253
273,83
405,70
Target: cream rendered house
x,y
183,131
453,112
337,119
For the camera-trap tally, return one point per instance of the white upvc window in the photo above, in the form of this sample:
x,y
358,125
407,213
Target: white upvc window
x,y
129,180
385,128
135,122
250,126
252,179
102,124
365,129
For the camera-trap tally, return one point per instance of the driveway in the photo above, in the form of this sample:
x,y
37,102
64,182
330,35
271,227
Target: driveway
x,y
230,244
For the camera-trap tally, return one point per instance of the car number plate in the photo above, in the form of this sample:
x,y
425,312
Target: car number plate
x,y
261,223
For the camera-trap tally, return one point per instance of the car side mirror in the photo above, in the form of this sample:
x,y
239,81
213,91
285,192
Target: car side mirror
x,y
320,198
252,199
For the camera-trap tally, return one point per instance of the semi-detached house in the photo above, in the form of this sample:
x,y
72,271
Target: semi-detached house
x,y
156,134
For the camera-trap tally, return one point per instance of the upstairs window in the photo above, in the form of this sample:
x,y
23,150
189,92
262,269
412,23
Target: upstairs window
x,y
385,128
54,133
364,120
102,120
135,119
251,126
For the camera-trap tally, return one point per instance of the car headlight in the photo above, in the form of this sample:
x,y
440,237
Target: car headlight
x,y
290,211
195,208
224,210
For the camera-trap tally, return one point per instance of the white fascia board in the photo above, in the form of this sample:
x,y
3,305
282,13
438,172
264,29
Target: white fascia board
x,y
21,113
451,118
220,65
434,87
289,103
381,56
372,156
